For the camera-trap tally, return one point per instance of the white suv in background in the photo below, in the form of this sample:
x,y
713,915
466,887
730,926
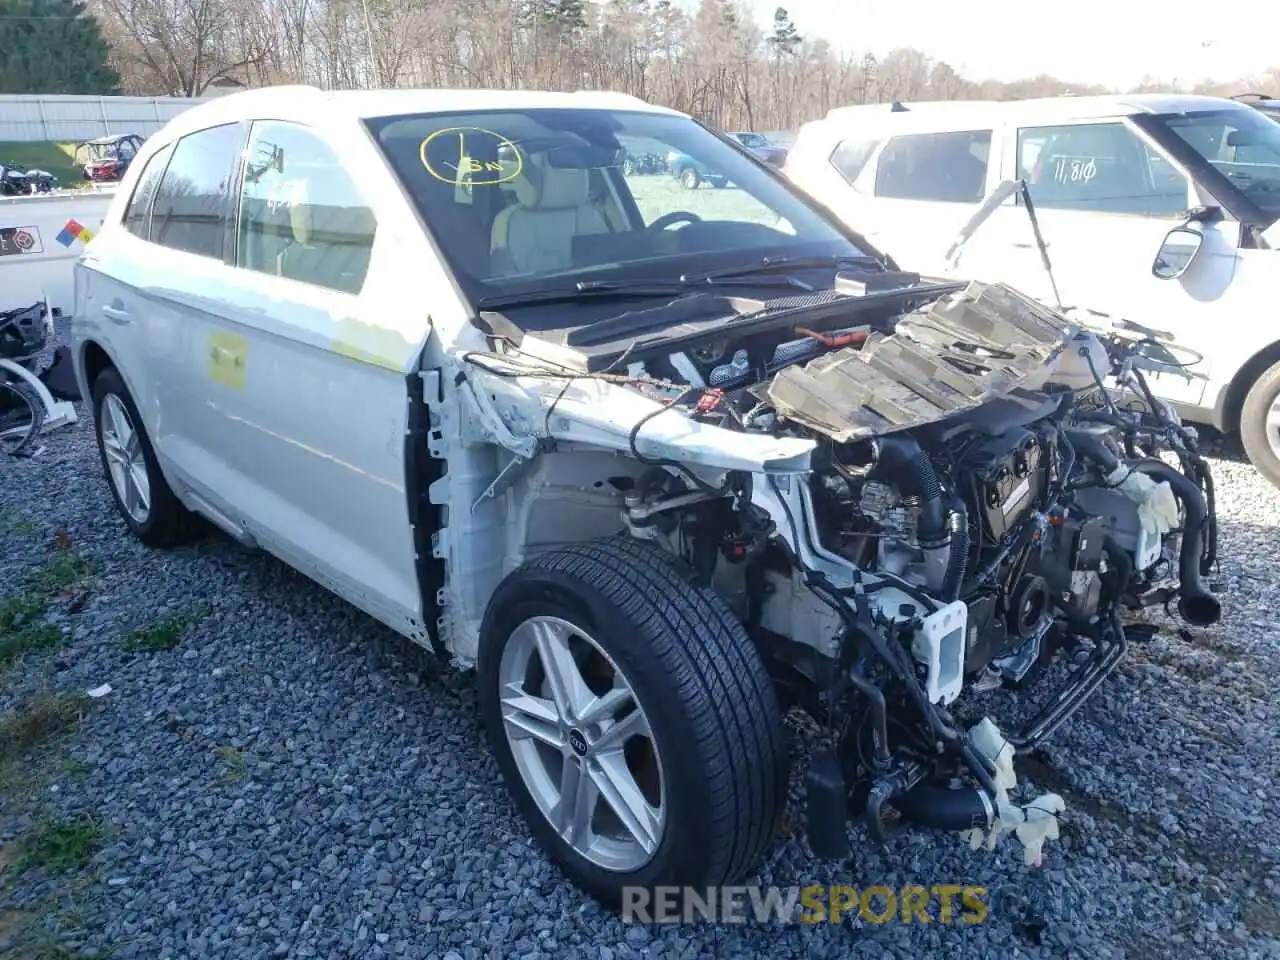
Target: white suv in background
x,y
1157,210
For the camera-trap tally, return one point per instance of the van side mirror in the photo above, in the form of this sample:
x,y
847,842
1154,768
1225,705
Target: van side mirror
x,y
1180,246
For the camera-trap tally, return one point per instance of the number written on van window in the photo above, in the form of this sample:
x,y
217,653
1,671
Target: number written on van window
x,y
301,216
1099,168
191,207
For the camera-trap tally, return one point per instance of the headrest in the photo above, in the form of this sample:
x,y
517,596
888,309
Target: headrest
x,y
540,187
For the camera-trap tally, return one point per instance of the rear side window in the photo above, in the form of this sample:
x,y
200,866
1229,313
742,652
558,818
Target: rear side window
x,y
851,156
939,167
137,218
191,207
301,216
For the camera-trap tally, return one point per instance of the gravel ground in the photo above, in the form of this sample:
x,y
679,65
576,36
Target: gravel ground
x,y
293,780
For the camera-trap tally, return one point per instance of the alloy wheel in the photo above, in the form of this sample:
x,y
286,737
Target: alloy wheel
x,y
126,466
582,743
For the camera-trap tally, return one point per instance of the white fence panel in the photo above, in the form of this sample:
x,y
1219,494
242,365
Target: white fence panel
x,y
69,118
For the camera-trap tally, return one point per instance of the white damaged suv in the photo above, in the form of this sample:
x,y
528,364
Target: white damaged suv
x,y
658,464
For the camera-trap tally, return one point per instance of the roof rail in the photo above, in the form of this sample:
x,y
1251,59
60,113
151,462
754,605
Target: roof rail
x,y
1251,97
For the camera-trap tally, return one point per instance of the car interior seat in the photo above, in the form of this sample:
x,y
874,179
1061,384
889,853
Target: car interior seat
x,y
552,206
331,245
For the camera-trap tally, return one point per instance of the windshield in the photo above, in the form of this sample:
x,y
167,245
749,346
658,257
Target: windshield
x,y
544,198
1240,144
752,140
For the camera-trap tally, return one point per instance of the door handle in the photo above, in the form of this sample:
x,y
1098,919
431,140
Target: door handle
x,y
116,314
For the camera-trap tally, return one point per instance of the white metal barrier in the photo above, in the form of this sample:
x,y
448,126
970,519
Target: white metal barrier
x,y
40,238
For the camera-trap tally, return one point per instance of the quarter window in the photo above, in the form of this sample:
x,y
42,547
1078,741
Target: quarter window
x,y
1100,168
851,156
940,167
137,218
190,209
301,215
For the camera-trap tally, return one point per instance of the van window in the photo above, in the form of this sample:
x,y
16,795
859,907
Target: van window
x,y
190,209
301,216
1098,167
851,156
137,218
940,167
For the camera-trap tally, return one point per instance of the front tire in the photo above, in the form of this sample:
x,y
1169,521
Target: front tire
x,y
691,179
606,673
1260,424
142,496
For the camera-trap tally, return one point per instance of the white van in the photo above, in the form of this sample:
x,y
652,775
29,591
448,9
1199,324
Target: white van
x,y
1160,210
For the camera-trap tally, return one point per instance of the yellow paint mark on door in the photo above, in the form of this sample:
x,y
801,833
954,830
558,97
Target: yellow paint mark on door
x,y
228,356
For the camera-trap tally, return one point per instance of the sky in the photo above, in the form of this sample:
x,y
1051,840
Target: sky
x,y
1115,43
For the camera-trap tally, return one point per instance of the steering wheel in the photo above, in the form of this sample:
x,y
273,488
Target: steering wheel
x,y
674,217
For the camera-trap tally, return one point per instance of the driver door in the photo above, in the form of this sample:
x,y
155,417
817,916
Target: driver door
x,y
1105,199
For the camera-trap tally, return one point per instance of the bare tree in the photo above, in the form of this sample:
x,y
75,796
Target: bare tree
x,y
716,64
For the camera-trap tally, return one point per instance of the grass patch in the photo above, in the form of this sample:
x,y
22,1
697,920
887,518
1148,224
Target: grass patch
x,y
65,571
165,633
232,763
61,845
56,158
42,718
22,628
65,574
11,521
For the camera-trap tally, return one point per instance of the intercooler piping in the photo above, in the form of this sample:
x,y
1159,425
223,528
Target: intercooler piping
x,y
944,808
909,466
1196,604
958,558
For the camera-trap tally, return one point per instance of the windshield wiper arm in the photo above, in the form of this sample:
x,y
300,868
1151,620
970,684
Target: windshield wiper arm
x,y
586,289
634,289
767,265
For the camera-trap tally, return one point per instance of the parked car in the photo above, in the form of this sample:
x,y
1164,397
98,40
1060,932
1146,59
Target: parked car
x,y
1161,210
105,159
692,172
759,144
655,477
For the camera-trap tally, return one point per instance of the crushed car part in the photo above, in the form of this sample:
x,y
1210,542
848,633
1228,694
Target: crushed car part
x,y
32,401
932,508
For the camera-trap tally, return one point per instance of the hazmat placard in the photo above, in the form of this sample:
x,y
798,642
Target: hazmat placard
x,y
16,241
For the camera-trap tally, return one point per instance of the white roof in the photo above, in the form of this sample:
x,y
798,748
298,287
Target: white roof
x,y
1052,108
311,103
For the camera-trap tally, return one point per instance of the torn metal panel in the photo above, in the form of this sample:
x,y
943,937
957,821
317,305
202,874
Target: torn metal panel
x,y
952,355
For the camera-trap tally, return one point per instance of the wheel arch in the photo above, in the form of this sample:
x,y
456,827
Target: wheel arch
x,y
1227,415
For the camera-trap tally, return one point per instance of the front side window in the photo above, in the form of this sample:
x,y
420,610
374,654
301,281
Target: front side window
x,y
194,200
1239,144
137,218
515,197
300,215
939,167
1099,168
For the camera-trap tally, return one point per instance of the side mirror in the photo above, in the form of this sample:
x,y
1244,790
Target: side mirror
x,y
1181,244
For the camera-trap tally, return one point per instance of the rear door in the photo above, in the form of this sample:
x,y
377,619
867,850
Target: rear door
x,y
923,188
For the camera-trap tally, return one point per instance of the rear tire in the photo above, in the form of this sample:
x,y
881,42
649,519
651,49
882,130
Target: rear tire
x,y
1262,440
162,521
698,684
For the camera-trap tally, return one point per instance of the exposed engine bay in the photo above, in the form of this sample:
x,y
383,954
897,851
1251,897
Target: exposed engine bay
x,y
908,512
